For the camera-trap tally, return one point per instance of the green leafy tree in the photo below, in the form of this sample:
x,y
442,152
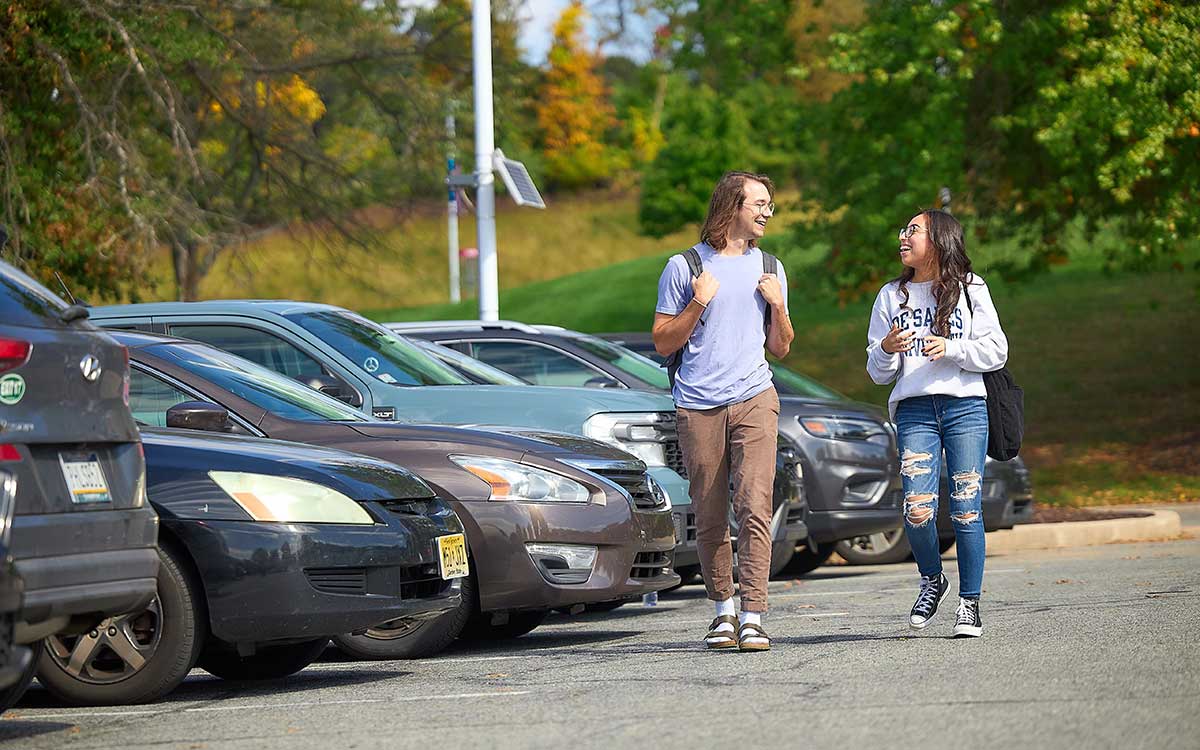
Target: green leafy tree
x,y
1033,114
705,135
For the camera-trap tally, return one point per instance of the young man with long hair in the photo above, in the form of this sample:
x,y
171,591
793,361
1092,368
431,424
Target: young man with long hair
x,y
725,402
934,331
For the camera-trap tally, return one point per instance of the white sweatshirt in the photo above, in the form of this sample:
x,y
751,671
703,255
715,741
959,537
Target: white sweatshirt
x,y
976,343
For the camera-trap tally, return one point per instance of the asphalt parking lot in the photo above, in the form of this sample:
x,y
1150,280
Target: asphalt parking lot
x,y
1092,647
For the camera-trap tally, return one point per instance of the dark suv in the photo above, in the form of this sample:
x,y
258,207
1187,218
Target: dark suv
x,y
83,535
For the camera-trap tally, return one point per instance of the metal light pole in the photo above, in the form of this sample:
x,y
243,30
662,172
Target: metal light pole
x,y
452,211
485,145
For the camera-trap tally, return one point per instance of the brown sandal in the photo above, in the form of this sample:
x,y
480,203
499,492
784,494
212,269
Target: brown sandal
x,y
749,630
728,635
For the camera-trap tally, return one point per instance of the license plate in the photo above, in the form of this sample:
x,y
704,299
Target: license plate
x,y
85,479
452,554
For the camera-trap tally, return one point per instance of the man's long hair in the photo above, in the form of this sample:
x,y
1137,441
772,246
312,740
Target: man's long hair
x,y
954,268
726,201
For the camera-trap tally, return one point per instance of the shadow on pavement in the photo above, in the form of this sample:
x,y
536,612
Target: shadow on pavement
x,y
17,728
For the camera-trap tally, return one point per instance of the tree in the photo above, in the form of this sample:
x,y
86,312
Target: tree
x,y
705,136
574,112
1034,114
191,125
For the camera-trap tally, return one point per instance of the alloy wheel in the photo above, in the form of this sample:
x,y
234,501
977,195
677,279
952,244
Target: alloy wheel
x,y
113,651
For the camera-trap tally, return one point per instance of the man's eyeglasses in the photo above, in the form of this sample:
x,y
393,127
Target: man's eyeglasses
x,y
910,230
760,207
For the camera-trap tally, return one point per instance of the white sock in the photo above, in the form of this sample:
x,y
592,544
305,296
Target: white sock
x,y
752,618
724,608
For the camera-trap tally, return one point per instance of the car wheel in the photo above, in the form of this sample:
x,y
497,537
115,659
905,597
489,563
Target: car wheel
x,y
11,694
269,663
781,554
945,543
480,627
877,549
132,658
806,559
409,639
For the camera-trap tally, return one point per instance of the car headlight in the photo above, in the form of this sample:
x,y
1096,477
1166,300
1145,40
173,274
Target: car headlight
x,y
288,500
643,434
845,428
518,482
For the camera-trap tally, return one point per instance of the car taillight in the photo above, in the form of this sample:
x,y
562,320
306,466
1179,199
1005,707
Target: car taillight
x,y
13,353
9,452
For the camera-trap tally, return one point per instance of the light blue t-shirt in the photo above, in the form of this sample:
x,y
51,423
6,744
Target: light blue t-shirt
x,y
724,360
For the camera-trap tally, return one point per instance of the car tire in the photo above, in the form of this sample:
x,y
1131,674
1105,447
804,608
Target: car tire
x,y
268,663
11,694
166,636
400,640
945,543
881,548
806,559
781,555
481,628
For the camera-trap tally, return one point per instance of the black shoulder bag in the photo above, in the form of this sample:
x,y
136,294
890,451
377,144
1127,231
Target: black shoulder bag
x,y
696,266
1005,408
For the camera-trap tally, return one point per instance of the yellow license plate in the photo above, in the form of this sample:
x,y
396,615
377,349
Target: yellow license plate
x,y
452,554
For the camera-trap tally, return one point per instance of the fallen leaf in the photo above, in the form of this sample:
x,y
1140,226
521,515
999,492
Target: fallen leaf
x,y
496,675
1064,580
806,606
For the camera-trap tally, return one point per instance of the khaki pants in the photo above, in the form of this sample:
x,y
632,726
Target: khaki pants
x,y
733,444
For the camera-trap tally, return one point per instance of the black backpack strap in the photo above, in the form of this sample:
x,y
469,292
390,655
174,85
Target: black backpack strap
x,y
696,266
770,265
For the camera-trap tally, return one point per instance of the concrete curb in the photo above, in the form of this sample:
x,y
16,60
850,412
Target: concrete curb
x,y
1162,525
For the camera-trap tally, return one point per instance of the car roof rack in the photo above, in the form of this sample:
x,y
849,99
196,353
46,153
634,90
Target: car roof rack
x,y
460,325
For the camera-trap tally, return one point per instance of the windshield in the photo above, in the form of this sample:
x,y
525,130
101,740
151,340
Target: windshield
x,y
792,383
25,302
264,388
642,368
377,351
469,366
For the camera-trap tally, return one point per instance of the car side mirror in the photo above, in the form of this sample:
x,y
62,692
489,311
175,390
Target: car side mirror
x,y
198,415
601,382
331,386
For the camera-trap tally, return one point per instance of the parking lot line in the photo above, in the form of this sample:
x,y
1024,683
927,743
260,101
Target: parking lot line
x,y
813,615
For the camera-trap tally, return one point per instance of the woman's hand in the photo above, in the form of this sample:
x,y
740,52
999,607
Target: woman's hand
x,y
897,340
934,348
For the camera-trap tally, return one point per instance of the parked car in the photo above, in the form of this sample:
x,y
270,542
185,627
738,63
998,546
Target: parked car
x,y
16,662
1007,492
789,506
552,520
368,366
268,549
844,453
82,535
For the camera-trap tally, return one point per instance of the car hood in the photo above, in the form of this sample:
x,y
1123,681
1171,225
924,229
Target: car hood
x,y
537,407
552,445
811,406
170,452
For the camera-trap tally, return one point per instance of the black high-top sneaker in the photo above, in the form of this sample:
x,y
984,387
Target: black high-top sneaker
x,y
967,623
933,590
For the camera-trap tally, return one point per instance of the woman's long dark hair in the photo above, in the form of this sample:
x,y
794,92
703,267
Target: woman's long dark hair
x,y
954,268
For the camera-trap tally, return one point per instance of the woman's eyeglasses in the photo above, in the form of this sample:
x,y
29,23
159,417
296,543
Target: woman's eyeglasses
x,y
910,230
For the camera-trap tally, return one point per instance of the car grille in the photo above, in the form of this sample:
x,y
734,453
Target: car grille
x,y
338,580
674,456
685,527
425,506
414,581
633,482
650,564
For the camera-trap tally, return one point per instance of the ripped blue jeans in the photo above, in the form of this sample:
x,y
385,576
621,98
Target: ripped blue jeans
x,y
925,426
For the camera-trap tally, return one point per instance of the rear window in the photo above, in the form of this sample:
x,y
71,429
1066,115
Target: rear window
x,y
25,302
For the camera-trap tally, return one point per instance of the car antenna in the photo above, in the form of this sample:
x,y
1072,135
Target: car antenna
x,y
66,290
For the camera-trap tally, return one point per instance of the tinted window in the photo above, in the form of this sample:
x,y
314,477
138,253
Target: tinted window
x,y
259,347
640,367
25,302
538,364
791,383
377,351
480,372
149,398
266,389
